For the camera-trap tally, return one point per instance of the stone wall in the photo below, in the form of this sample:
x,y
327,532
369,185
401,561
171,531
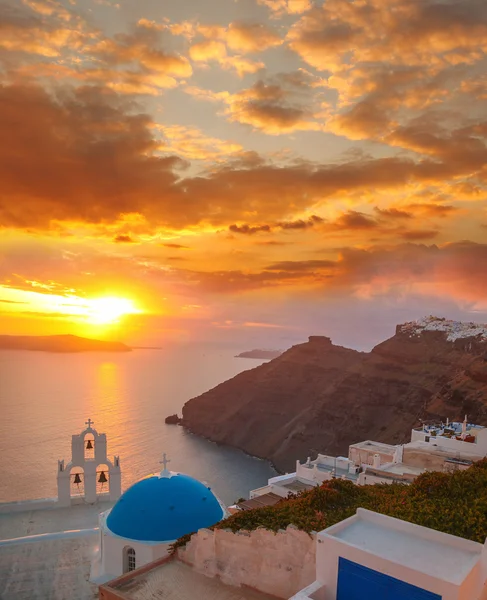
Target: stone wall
x,y
279,564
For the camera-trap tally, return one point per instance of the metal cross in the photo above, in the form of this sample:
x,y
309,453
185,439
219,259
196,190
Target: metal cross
x,y
164,461
89,422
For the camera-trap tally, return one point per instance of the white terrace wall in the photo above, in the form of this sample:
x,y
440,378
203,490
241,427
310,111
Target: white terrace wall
x,y
279,564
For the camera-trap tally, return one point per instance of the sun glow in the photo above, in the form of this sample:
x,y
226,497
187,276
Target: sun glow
x,y
86,315
104,311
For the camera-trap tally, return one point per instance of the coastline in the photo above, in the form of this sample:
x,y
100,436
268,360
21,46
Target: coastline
x,y
204,437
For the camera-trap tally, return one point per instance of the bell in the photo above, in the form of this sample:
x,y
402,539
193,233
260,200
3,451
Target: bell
x,y
89,445
77,479
102,478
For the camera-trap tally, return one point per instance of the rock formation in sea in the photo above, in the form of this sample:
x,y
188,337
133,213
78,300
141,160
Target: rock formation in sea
x,y
318,397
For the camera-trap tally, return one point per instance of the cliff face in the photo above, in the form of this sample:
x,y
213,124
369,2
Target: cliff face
x,y
317,397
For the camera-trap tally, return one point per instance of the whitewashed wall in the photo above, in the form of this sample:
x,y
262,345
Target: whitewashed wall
x,y
280,564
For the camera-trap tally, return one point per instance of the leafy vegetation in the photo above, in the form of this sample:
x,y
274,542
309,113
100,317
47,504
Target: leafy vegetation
x,y
454,503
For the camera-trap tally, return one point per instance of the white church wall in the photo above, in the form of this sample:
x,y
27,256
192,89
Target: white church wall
x,y
114,548
280,563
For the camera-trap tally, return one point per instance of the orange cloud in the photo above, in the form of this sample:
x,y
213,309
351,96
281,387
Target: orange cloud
x,y
191,143
251,37
281,7
208,50
278,105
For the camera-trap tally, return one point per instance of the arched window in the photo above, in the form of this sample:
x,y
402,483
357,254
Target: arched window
x,y
89,446
128,559
77,482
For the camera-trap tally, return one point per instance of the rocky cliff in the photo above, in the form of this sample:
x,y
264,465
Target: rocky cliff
x,y
318,397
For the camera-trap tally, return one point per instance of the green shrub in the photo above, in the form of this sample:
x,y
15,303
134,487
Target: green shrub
x,y
454,503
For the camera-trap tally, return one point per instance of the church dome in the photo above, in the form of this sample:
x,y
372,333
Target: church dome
x,y
162,508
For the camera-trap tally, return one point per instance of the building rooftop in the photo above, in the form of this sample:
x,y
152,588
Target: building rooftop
x,y
432,448
260,501
424,550
296,486
173,580
338,472
452,429
374,446
400,469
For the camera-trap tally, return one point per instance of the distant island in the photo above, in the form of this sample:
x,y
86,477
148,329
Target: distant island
x,y
59,343
266,354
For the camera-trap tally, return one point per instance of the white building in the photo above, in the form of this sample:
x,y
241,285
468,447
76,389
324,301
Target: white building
x,y
441,447
374,557
464,438
89,476
148,517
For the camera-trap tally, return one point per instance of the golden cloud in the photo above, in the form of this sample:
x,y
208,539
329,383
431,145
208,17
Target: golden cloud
x,y
251,37
208,50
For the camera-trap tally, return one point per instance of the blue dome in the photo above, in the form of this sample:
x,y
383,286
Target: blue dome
x,y
162,509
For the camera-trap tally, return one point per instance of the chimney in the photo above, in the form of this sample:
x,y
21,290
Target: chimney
x,y
376,462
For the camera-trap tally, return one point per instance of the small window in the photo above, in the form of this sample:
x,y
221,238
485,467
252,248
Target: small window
x,y
426,438
129,559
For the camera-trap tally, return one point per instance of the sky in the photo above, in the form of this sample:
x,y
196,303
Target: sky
x,y
244,171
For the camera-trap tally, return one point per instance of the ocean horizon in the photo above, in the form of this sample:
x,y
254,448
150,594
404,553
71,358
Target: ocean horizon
x,y
45,398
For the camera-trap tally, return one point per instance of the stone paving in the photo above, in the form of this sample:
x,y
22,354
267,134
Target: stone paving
x,y
56,569
49,569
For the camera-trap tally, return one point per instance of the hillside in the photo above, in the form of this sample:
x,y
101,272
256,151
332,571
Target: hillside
x,y
318,397
59,343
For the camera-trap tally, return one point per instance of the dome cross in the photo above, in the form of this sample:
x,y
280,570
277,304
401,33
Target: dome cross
x,y
164,462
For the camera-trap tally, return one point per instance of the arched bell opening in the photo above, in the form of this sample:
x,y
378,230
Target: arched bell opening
x,y
102,479
89,446
129,560
77,481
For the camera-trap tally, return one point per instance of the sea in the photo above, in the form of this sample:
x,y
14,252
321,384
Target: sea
x,y
47,397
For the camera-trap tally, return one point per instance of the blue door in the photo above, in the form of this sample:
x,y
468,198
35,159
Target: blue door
x,y
356,582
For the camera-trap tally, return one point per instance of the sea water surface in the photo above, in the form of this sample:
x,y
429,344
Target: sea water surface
x,y
46,397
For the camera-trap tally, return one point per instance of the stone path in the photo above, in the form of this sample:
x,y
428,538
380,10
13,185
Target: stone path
x,y
49,570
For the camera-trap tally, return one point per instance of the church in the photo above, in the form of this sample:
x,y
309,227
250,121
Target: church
x,y
148,517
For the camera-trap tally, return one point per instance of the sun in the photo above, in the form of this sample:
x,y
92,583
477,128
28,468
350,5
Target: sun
x,y
104,311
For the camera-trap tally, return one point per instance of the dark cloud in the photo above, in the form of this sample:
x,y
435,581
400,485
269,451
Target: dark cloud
x,y
249,229
123,239
302,224
419,235
454,270
302,266
355,220
393,213
285,225
175,246
91,156
433,210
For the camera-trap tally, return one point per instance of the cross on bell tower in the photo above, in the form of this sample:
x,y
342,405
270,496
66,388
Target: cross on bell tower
x,y
89,422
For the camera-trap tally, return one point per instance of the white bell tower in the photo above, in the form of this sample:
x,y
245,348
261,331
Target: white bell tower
x,y
90,476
